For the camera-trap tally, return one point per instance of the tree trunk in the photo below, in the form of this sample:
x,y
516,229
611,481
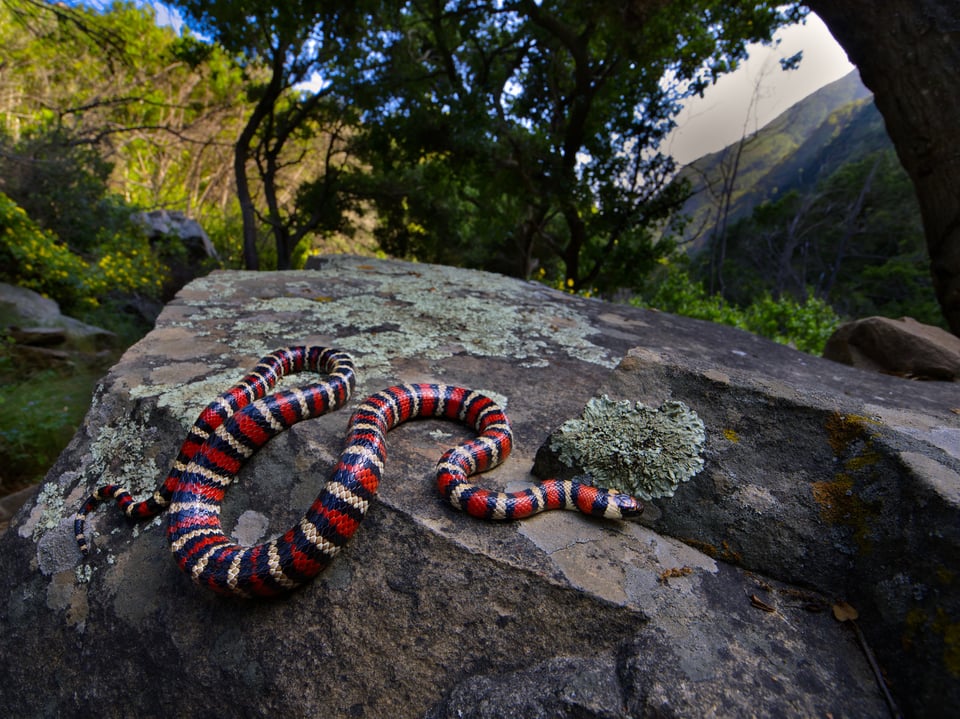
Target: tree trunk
x,y
251,260
908,54
270,93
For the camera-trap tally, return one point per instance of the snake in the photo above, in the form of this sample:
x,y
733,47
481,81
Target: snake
x,y
241,420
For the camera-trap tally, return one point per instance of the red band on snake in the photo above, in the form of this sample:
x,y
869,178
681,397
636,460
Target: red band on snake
x,y
231,429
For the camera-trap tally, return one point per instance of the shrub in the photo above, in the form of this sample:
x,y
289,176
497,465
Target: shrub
x,y
31,257
805,325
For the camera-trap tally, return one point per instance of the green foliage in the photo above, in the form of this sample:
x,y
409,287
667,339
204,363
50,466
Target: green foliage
x,y
855,239
36,259
805,324
109,98
225,231
61,184
38,416
524,136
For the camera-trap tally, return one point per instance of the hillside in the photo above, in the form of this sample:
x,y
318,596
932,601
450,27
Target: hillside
x,y
812,138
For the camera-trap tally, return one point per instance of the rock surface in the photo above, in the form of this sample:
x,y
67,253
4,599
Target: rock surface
x,y
821,482
902,347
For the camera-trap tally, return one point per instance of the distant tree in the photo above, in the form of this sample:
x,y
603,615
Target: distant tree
x,y
150,114
854,240
723,188
523,136
283,46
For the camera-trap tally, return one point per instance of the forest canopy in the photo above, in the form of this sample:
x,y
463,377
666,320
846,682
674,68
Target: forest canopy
x,y
517,136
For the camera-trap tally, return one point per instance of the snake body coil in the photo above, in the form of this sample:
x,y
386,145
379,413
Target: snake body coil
x,y
231,429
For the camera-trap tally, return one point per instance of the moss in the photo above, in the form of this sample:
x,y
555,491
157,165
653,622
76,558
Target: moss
x,y
641,450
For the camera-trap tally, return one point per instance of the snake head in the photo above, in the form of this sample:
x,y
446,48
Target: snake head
x,y
626,504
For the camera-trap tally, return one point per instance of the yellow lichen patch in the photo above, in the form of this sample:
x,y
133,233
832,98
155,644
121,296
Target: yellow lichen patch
x,y
844,429
919,623
724,552
705,547
839,504
674,572
866,459
731,435
835,498
951,641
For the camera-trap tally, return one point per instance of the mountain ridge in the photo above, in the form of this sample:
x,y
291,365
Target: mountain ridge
x,y
812,137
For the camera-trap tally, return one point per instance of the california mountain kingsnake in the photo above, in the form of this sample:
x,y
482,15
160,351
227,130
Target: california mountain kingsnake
x,y
245,417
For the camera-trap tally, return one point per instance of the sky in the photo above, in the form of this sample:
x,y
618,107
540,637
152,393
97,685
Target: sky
x,y
718,119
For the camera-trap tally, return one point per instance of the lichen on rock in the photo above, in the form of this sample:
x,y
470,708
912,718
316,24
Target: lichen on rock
x,y
641,450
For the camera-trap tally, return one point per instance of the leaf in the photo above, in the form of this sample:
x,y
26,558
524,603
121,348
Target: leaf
x,y
844,612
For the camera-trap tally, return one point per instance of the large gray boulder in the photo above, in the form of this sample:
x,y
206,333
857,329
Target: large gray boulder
x,y
822,483
159,224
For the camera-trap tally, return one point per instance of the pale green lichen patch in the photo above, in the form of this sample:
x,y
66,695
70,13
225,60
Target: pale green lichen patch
x,y
123,453
393,313
641,450
47,512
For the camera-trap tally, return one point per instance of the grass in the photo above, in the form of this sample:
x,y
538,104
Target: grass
x,y
39,414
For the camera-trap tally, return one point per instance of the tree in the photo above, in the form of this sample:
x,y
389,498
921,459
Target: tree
x,y
150,113
723,189
523,135
283,46
908,55
854,239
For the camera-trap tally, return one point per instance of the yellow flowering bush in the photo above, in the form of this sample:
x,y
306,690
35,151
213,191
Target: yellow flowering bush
x,y
127,264
558,283
33,258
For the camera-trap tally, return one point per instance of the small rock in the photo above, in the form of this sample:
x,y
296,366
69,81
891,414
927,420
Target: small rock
x,y
37,336
20,307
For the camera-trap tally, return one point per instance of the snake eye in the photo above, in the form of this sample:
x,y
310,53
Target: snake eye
x,y
629,506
